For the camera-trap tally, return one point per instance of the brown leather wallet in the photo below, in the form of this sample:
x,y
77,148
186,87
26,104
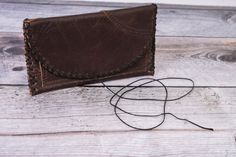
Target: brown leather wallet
x,y
88,48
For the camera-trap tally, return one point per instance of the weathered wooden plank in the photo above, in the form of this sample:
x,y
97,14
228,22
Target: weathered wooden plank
x,y
12,15
193,22
12,60
75,2
131,144
210,62
161,4
87,109
170,22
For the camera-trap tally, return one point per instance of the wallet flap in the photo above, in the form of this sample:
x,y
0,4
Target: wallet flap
x,y
91,45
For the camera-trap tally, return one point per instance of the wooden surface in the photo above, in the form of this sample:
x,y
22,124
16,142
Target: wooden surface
x,y
195,43
215,3
170,21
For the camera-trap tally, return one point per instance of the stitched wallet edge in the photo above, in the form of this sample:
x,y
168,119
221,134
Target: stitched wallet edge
x,y
34,61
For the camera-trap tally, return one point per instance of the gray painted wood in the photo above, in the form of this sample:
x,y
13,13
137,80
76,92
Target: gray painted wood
x,y
170,22
210,62
122,144
120,4
80,122
87,109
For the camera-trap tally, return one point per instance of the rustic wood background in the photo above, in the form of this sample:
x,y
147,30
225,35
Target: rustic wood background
x,y
199,43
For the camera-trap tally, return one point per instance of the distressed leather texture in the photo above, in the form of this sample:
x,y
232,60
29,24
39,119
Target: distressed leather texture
x,y
75,50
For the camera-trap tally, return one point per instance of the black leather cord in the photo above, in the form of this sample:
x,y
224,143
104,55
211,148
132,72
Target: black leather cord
x,y
121,92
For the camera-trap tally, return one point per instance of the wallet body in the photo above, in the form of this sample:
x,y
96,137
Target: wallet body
x,y
75,50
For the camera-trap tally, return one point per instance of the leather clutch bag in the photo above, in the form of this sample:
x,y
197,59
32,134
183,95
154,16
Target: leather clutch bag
x,y
75,50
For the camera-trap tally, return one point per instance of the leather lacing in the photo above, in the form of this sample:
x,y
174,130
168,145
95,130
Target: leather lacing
x,y
120,94
32,76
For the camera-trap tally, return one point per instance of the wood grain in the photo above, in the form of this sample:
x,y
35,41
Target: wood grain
x,y
127,144
87,109
121,4
80,122
209,61
170,22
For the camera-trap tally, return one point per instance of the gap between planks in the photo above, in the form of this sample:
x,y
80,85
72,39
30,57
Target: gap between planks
x,y
147,86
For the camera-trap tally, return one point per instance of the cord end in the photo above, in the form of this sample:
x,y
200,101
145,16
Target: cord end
x,y
211,129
